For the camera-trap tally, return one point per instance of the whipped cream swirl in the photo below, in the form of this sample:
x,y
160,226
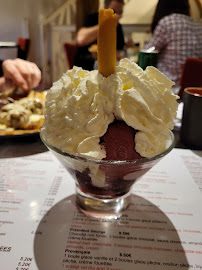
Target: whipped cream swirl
x,y
82,104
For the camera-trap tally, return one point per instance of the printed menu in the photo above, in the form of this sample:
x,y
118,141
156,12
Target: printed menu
x,y
41,227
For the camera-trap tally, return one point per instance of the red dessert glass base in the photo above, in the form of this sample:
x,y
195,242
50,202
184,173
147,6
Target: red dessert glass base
x,y
103,187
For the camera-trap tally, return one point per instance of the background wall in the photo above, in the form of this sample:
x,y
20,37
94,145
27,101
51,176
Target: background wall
x,y
21,19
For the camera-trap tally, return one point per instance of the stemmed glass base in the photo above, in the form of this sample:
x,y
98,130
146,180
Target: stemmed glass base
x,y
103,207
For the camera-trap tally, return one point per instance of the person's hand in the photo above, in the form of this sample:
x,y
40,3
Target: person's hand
x,y
21,73
129,43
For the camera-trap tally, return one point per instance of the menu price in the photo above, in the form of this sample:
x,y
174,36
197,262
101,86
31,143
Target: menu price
x,y
41,227
24,263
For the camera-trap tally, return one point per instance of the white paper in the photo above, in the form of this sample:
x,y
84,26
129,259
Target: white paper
x,y
178,119
41,228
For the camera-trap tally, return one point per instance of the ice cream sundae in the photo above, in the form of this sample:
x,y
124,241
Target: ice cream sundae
x,y
111,124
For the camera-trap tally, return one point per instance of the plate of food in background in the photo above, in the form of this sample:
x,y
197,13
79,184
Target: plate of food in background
x,y
21,115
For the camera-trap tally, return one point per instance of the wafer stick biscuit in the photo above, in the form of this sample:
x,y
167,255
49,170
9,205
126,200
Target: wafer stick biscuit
x,y
107,42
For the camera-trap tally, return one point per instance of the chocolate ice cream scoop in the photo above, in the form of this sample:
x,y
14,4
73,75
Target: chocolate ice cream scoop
x,y
119,142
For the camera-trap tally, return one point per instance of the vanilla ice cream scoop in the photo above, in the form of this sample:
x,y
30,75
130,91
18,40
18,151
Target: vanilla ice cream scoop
x,y
82,104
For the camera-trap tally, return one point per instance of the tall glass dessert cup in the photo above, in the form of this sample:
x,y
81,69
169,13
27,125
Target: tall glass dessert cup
x,y
103,187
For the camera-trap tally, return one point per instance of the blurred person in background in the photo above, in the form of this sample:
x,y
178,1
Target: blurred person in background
x,y
175,35
19,73
87,35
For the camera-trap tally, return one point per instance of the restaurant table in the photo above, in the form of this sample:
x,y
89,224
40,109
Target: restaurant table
x,y
42,229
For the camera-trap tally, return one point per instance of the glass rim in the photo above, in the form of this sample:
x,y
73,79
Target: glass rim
x,y
188,91
111,162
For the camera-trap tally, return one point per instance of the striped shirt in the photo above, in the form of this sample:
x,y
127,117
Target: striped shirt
x,y
176,37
